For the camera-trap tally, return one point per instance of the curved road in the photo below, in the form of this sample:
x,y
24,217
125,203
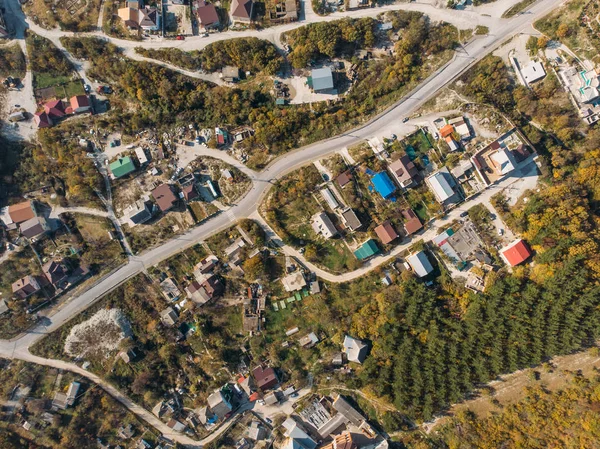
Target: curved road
x,y
500,29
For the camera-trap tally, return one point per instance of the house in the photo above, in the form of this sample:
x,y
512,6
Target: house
x,y
206,416
404,171
321,80
34,227
169,289
147,19
26,286
386,232
330,198
265,378
230,74
344,178
532,72
322,224
164,197
55,109
383,185
446,131
412,223
504,160
297,438
62,401
355,350
80,104
516,252
127,356
351,221
270,399
225,173
441,184
309,340
285,11
221,136
453,144
121,167
349,412
233,251
420,264
168,317
207,15
141,155
366,250
176,425
256,431
126,432
21,212
138,212
202,292
219,404
206,265
462,129
241,11
72,393
189,192
55,272
42,120
294,282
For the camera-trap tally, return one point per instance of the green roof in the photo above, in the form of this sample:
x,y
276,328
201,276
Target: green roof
x,y
367,249
122,166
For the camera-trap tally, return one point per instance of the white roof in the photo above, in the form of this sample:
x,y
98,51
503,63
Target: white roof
x,y
294,282
420,264
322,224
441,188
533,71
505,159
589,94
355,349
463,130
141,155
329,198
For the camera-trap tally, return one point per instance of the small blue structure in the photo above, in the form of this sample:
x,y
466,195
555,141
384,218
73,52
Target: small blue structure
x,y
383,184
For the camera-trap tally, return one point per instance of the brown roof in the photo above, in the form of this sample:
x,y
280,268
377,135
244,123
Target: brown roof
x,y
404,169
33,227
344,178
265,378
54,272
55,108
189,192
164,197
25,286
21,212
412,223
207,14
386,232
42,120
241,9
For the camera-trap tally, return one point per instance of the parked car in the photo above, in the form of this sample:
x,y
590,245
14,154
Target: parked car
x,y
405,119
180,37
500,231
87,88
464,214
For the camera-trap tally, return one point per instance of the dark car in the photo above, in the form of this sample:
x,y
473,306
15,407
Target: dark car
x,y
464,214
405,119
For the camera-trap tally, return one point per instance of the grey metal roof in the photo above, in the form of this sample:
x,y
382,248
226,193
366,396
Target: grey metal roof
x,y
322,79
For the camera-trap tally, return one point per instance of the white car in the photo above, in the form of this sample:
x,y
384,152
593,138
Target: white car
x,y
500,231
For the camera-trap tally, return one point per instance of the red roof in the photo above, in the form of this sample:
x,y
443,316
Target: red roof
x,y
164,197
80,101
55,108
446,130
42,119
386,232
254,397
265,378
517,252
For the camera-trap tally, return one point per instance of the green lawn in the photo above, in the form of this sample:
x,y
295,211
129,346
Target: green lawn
x,y
44,79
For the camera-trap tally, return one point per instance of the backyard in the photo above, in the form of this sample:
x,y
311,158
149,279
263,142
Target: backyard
x,y
69,15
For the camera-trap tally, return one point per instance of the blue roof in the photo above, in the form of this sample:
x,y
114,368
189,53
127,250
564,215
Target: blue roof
x,y
383,184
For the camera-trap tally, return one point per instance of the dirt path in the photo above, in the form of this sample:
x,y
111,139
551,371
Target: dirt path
x,y
510,388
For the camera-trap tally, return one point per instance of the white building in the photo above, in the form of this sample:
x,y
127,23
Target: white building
x,y
322,224
141,155
533,72
294,282
505,161
439,184
420,264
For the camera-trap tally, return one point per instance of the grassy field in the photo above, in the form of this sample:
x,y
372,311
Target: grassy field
x,y
516,9
69,15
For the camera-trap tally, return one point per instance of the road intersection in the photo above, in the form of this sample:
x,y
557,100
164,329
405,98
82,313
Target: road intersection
x,y
500,31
